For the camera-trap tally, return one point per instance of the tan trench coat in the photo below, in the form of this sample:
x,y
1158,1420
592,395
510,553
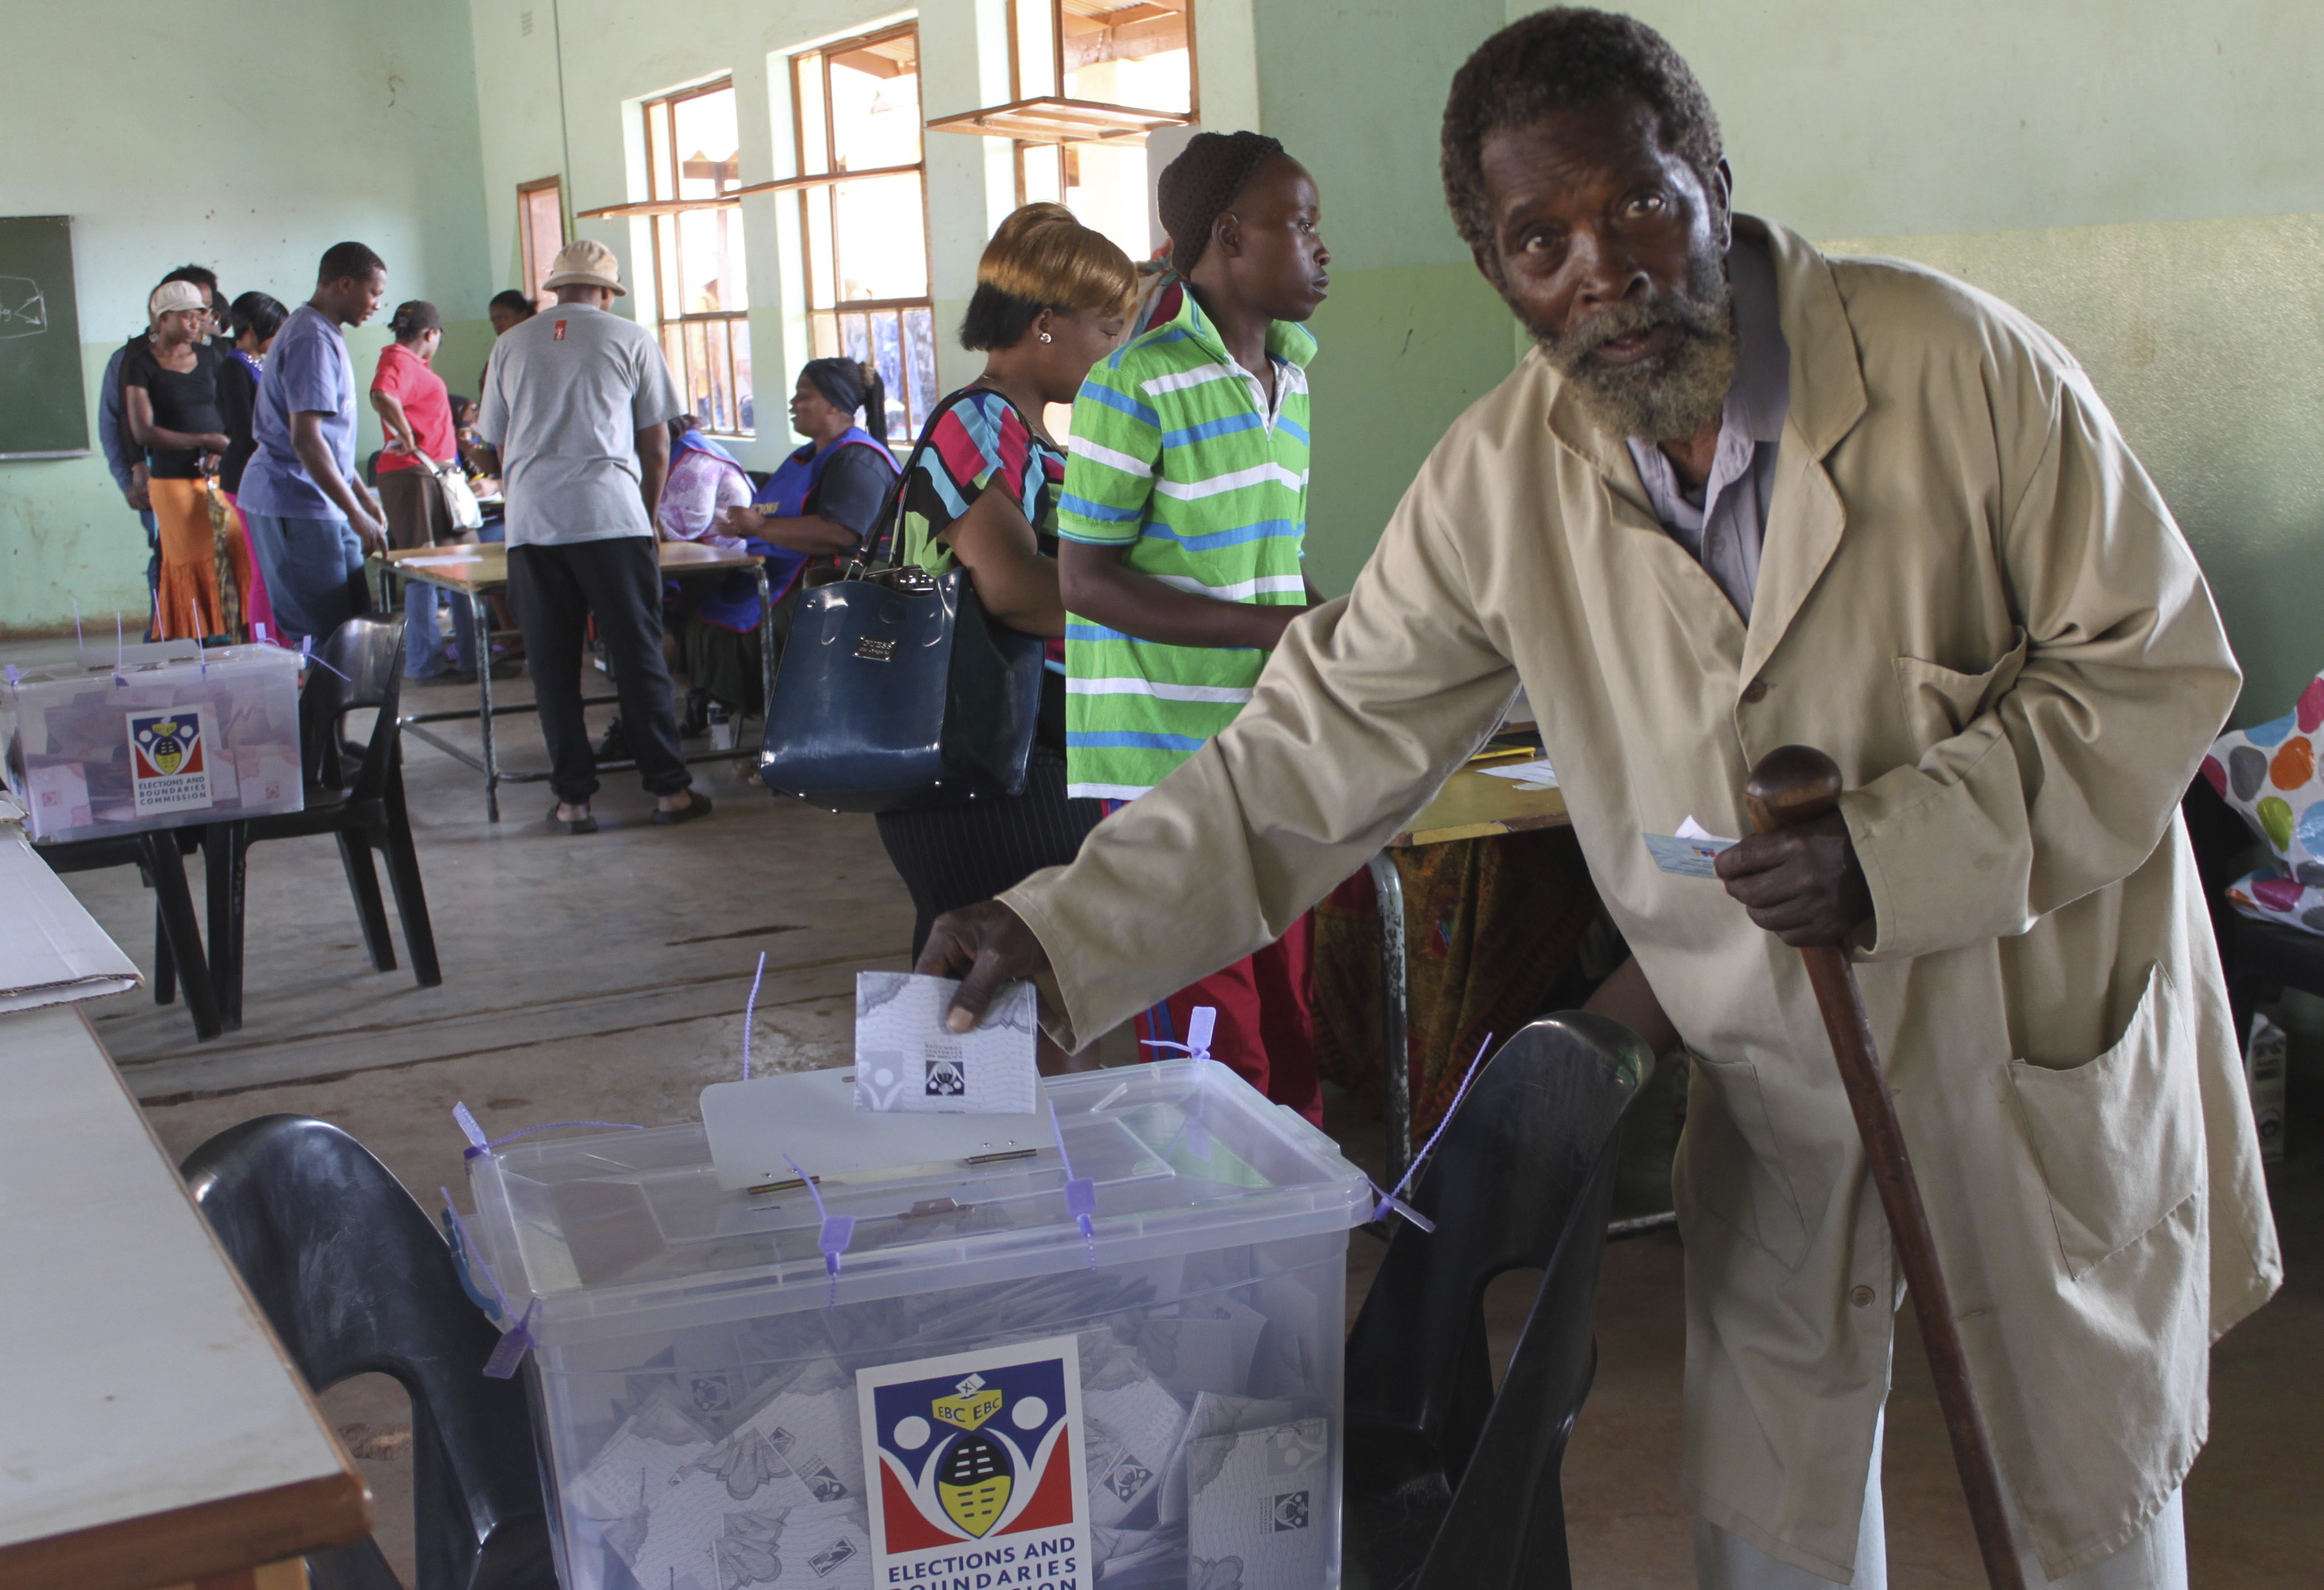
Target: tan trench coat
x,y
1973,598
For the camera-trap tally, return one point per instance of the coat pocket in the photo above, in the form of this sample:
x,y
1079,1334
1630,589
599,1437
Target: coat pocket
x,y
1941,702
1730,1166
2119,1138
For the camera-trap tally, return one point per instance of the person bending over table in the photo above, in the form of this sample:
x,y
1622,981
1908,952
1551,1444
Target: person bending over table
x,y
1743,494
575,405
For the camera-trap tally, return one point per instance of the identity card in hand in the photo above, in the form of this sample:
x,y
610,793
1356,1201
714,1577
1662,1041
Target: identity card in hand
x,y
1690,852
906,1060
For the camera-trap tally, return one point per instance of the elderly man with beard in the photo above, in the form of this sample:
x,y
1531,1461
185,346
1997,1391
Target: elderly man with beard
x,y
1743,495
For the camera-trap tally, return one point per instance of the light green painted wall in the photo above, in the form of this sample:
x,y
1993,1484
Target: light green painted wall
x,y
350,121
2206,340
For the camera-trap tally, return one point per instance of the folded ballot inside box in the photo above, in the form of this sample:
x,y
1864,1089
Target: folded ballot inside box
x,y
152,740
1104,1352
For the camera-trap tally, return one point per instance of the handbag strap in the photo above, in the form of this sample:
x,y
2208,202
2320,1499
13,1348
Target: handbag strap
x,y
881,553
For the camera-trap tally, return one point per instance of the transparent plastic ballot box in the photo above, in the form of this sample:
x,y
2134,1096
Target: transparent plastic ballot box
x,y
158,737
936,1375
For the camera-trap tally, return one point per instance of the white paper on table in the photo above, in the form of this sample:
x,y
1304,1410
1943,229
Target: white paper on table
x,y
1690,852
908,1062
1535,775
1259,1496
441,560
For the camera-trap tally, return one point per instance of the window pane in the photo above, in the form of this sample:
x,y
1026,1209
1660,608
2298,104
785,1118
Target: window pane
x,y
1105,188
1037,63
824,333
738,336
1127,52
875,104
822,276
856,338
723,416
920,365
698,399
806,86
668,294
1039,174
673,353
888,358
707,145
883,250
709,277
658,173
544,234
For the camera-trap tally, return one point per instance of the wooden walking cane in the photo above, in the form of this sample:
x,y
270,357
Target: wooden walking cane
x,y
1797,784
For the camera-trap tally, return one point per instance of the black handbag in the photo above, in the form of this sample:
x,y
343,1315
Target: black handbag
x,y
898,692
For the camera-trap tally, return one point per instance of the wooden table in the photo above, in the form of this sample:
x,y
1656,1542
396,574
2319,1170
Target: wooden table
x,y
154,1432
1472,805
472,570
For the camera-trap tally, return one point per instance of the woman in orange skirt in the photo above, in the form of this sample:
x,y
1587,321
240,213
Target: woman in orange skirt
x,y
168,398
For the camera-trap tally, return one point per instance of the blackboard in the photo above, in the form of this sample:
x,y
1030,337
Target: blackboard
x,y
43,413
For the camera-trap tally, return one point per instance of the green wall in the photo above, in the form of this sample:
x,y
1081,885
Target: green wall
x,y
141,123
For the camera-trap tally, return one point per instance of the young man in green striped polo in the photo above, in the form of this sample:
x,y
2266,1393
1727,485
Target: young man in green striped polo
x,y
1181,527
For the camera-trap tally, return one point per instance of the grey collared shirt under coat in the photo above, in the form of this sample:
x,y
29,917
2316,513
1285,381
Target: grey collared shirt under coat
x,y
1725,525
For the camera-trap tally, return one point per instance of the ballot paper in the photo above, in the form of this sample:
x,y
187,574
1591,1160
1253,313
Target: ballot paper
x,y
1690,852
1258,1497
909,1062
1528,776
1134,1425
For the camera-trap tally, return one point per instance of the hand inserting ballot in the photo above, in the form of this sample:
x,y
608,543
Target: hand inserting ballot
x,y
987,946
1801,883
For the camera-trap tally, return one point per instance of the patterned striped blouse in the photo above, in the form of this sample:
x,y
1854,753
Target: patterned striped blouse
x,y
1177,458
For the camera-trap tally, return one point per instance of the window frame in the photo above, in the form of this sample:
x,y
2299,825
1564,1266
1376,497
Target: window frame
x,y
535,269
662,209
833,174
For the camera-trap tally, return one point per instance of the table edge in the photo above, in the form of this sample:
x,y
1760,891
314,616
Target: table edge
x,y
182,1544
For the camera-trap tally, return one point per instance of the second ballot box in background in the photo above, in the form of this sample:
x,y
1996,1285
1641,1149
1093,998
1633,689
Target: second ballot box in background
x,y
937,1375
146,743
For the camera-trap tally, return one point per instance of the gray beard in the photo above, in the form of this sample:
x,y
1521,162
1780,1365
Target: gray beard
x,y
1677,393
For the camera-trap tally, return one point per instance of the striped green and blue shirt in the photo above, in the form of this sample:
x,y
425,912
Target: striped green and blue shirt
x,y
1177,456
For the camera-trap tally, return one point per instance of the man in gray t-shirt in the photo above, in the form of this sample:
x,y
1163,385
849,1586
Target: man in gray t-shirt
x,y
576,403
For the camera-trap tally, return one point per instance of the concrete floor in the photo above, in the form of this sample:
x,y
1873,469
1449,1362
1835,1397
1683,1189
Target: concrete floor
x,y
604,978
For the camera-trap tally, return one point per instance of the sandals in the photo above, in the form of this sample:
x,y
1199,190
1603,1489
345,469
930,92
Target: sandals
x,y
698,805
587,823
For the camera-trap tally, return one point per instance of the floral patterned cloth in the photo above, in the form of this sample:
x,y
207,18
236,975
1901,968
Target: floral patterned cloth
x,y
2270,775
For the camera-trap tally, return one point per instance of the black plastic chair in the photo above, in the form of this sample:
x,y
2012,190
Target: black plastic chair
x,y
1450,1487
159,856
355,1279
362,807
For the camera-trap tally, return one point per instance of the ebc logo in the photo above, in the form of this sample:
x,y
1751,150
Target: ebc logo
x,y
978,1454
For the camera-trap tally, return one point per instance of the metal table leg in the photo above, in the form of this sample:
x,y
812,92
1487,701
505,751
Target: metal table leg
x,y
1395,1051
765,656
480,625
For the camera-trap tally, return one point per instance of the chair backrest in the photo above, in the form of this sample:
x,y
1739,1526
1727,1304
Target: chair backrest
x,y
361,665
1449,1484
354,1280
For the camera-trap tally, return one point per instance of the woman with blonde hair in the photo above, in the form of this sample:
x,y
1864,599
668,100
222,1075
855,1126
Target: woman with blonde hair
x,y
1051,300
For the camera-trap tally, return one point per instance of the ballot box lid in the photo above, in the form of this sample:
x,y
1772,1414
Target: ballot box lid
x,y
612,1233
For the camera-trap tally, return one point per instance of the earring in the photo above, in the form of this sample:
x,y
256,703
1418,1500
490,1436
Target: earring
x,y
1046,338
